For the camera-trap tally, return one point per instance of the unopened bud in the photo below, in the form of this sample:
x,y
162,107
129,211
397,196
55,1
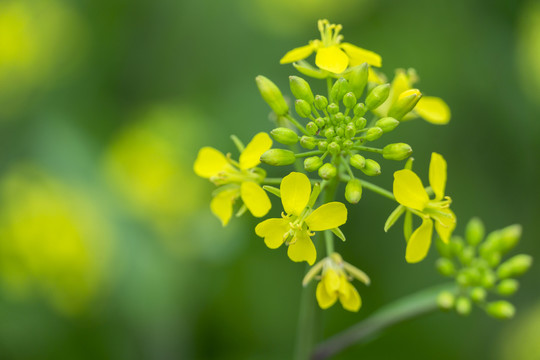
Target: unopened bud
x,y
320,122
371,168
347,144
377,96
358,161
359,110
509,237
445,267
284,136
474,232
463,306
312,163
515,266
360,123
278,157
327,171
307,142
405,102
488,279
501,309
349,100
478,294
350,131
271,94
340,130
302,108
508,287
300,89
339,89
312,128
332,109
353,191
321,102
467,255
334,148
329,133
322,145
374,133
446,300
398,151
358,79
387,124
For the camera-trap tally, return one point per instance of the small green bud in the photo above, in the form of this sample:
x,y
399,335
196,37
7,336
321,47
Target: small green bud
x,y
398,151
371,168
312,163
387,124
327,171
271,94
467,255
357,161
493,259
509,237
284,136
374,133
463,306
349,100
302,108
339,118
445,267
456,244
307,142
359,110
353,191
322,145
350,131
332,109
321,102
320,122
358,79
406,101
312,128
508,287
278,157
488,279
474,232
377,96
300,89
329,133
360,123
339,89
515,266
443,248
478,294
446,300
334,148
340,130
347,144
501,309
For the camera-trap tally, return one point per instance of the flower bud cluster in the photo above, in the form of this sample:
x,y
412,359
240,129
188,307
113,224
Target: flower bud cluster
x,y
475,264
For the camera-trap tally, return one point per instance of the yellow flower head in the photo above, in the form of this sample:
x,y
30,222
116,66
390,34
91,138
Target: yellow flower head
x,y
236,179
410,192
332,54
296,227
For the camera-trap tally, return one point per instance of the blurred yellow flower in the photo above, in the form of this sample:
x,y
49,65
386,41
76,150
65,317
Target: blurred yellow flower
x,y
236,179
332,54
298,225
410,192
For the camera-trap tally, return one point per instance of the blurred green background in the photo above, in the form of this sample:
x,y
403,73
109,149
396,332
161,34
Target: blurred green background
x,y
108,249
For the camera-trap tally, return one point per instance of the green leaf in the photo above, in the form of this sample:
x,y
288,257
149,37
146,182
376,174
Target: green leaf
x,y
407,225
339,233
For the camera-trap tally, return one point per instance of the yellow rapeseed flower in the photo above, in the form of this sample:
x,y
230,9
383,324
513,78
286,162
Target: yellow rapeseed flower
x,y
236,179
296,227
332,54
410,192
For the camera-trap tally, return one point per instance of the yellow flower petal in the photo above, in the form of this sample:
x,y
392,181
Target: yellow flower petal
x,y
376,77
210,162
255,198
418,245
251,155
352,301
324,298
222,204
358,56
302,248
273,230
295,190
433,110
437,175
327,216
331,281
409,191
445,225
332,59
297,54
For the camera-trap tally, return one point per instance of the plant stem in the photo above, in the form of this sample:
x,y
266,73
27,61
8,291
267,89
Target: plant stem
x,y
367,148
297,124
375,188
408,307
309,153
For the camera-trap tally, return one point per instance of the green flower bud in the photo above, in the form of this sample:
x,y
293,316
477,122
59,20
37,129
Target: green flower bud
x,y
478,294
300,89
332,109
405,103
446,300
349,100
445,267
284,136
508,287
509,237
329,133
321,102
359,110
320,122
443,248
353,191
501,309
339,89
467,255
371,168
387,124
340,131
515,266
334,148
322,145
398,151
307,142
271,94
312,163
312,128
360,123
347,144
302,108
339,118
327,171
357,161
488,279
377,96
493,259
456,245
463,306
358,79
350,131
474,232
278,157
374,133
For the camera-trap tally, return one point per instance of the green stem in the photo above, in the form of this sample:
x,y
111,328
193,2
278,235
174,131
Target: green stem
x,y
367,148
297,124
329,86
309,153
308,321
408,307
375,188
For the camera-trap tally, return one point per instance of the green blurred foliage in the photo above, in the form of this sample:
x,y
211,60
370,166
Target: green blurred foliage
x,y
108,247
